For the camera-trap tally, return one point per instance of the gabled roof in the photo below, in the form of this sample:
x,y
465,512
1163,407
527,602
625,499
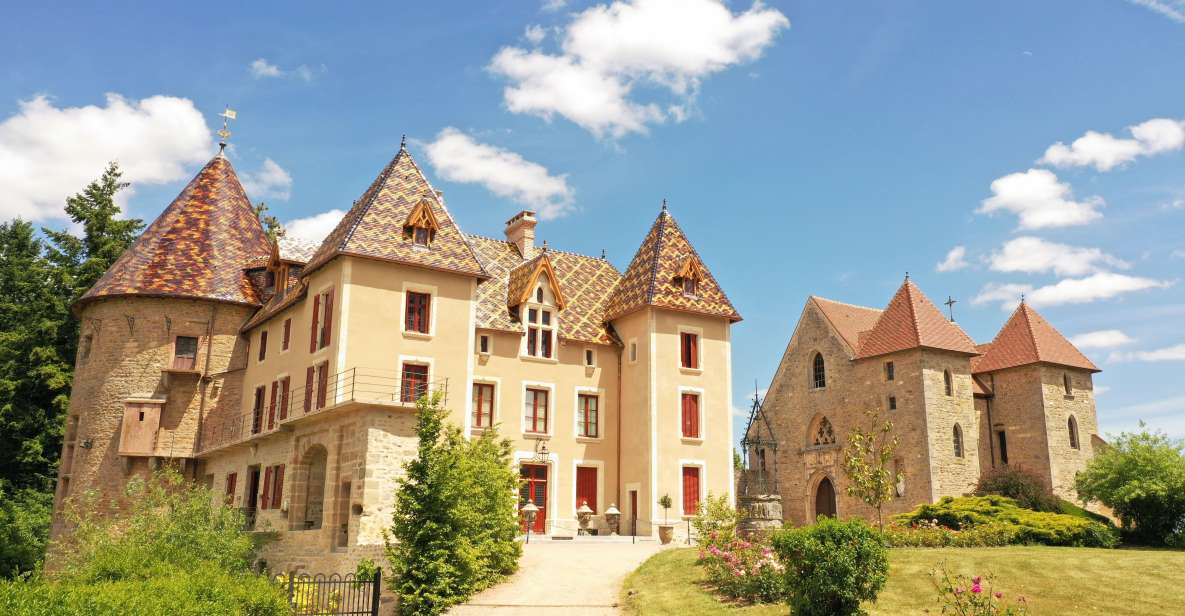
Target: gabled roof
x,y
911,321
651,278
373,227
1027,338
524,277
587,283
295,249
848,320
197,248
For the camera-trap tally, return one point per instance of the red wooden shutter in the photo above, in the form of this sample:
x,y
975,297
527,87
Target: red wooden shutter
x,y
586,487
328,326
427,308
309,375
287,334
313,325
231,479
278,489
271,407
693,415
262,345
693,351
285,392
322,384
690,489
267,488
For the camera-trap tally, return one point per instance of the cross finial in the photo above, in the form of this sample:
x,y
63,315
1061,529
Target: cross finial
x,y
602,254
950,305
1022,298
664,204
403,142
224,134
907,276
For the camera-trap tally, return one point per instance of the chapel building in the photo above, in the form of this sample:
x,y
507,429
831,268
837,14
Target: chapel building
x,y
960,409
285,376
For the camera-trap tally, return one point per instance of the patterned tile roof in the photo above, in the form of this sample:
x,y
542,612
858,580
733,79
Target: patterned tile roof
x,y
522,278
586,283
296,249
197,248
910,321
374,225
650,279
296,291
847,319
1027,338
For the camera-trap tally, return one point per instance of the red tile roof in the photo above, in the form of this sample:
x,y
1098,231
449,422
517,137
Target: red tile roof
x,y
910,321
848,320
374,225
1027,338
197,248
651,278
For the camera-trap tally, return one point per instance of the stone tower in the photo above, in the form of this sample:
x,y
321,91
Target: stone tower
x,y
159,343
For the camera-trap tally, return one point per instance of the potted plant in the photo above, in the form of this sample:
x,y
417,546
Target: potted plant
x,y
666,530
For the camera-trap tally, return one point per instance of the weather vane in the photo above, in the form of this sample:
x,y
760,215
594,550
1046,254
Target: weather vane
x,y
950,305
224,134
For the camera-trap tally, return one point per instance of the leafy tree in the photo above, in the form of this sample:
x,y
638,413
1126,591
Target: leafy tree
x,y
1141,477
24,528
271,224
454,526
867,463
664,501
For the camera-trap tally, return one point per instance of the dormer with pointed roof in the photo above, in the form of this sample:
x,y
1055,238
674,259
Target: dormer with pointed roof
x,y
912,321
525,278
197,248
1027,338
655,277
376,227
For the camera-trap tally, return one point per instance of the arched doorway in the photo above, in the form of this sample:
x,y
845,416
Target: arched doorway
x,y
825,499
313,467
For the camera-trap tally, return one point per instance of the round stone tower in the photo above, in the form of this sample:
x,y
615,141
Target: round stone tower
x,y
159,345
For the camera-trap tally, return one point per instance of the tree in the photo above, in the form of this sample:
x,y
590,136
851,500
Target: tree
x,y
271,224
24,528
664,501
1141,477
867,462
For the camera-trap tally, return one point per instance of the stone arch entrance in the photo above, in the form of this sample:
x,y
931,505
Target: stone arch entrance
x,y
309,505
825,499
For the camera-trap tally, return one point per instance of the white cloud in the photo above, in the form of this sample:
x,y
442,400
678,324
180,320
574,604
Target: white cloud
x,y
1172,353
955,260
607,50
261,69
1105,152
1040,201
1033,255
1007,294
456,157
535,34
48,153
1101,339
1178,254
1101,389
554,5
270,182
1173,9
1103,285
314,228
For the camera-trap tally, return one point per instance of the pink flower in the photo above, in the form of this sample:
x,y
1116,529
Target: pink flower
x,y
999,595
976,589
976,580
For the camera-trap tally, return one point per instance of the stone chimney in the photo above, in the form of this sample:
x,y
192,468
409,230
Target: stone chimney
x,y
520,231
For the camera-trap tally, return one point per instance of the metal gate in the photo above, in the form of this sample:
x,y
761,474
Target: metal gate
x,y
334,595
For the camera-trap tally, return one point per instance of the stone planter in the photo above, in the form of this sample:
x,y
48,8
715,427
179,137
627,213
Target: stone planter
x,y
666,532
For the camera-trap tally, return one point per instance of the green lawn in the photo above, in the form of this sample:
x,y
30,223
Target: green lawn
x,y
1055,580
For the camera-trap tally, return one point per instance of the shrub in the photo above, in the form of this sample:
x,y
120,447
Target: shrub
x,y
832,566
715,521
24,529
1141,477
1025,489
973,596
933,535
743,570
966,512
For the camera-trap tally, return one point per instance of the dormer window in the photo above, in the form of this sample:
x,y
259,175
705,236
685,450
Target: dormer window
x,y
540,332
421,226
689,276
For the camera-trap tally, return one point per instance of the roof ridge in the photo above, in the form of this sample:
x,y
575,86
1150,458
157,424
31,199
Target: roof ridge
x,y
658,240
439,196
695,252
833,301
913,313
378,184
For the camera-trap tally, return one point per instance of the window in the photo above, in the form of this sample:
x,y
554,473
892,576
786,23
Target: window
x,y
322,323
535,411
257,410
819,372
633,351
689,350
1067,384
589,358
690,490
483,405
285,395
185,353
231,480
948,383
586,487
1072,426
690,286
417,310
690,415
263,345
958,438
892,403
273,487
421,225
540,329
422,236
310,379
539,295
271,405
415,382
890,371
1003,440
287,334
824,433
322,383
588,416
483,344
84,349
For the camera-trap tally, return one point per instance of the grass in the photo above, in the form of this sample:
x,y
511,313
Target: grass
x,y
1055,580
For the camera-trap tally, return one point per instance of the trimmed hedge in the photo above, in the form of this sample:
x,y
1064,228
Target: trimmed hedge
x,y
832,566
991,514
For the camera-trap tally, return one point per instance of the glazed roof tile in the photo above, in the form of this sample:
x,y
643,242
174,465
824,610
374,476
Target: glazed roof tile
x,y
910,321
1027,338
197,248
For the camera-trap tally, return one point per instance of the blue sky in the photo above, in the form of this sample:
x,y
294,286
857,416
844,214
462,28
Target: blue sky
x,y
805,147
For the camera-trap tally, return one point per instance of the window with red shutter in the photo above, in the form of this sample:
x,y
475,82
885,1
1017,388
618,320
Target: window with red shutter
x,y
262,345
586,487
690,490
287,334
314,325
417,311
322,383
327,326
267,488
689,350
285,393
690,418
231,480
483,405
271,407
588,416
278,486
257,410
535,411
309,375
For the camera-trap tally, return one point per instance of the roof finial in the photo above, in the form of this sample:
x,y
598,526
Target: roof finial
x,y
224,134
1022,298
544,245
664,204
602,254
950,305
906,276
403,142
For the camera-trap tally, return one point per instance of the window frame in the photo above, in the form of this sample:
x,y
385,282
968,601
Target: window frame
x,y
818,373
528,389
403,380
539,336
598,394
700,424
197,348
286,338
890,372
486,341
960,445
948,383
493,400
694,354
1072,428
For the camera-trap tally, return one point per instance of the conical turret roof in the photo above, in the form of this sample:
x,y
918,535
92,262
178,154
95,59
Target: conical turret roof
x,y
1027,338
911,321
197,248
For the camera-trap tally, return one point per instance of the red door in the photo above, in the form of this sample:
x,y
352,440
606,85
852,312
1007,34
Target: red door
x,y
534,487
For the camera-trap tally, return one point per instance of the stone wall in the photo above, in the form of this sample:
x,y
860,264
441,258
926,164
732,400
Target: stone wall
x,y
1017,410
1068,458
952,474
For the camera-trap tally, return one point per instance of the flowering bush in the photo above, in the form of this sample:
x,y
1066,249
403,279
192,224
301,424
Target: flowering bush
x,y
742,569
973,596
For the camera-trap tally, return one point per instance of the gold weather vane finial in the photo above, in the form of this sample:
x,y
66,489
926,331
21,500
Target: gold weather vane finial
x,y
224,134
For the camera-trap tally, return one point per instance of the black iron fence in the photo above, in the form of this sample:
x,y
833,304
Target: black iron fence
x,y
333,595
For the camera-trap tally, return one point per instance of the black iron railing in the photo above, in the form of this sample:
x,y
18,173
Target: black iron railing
x,y
332,595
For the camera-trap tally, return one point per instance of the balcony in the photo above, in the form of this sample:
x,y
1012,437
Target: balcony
x,y
351,389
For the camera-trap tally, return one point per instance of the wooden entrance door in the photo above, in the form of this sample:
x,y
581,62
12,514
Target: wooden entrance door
x,y
825,499
251,499
633,512
534,487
